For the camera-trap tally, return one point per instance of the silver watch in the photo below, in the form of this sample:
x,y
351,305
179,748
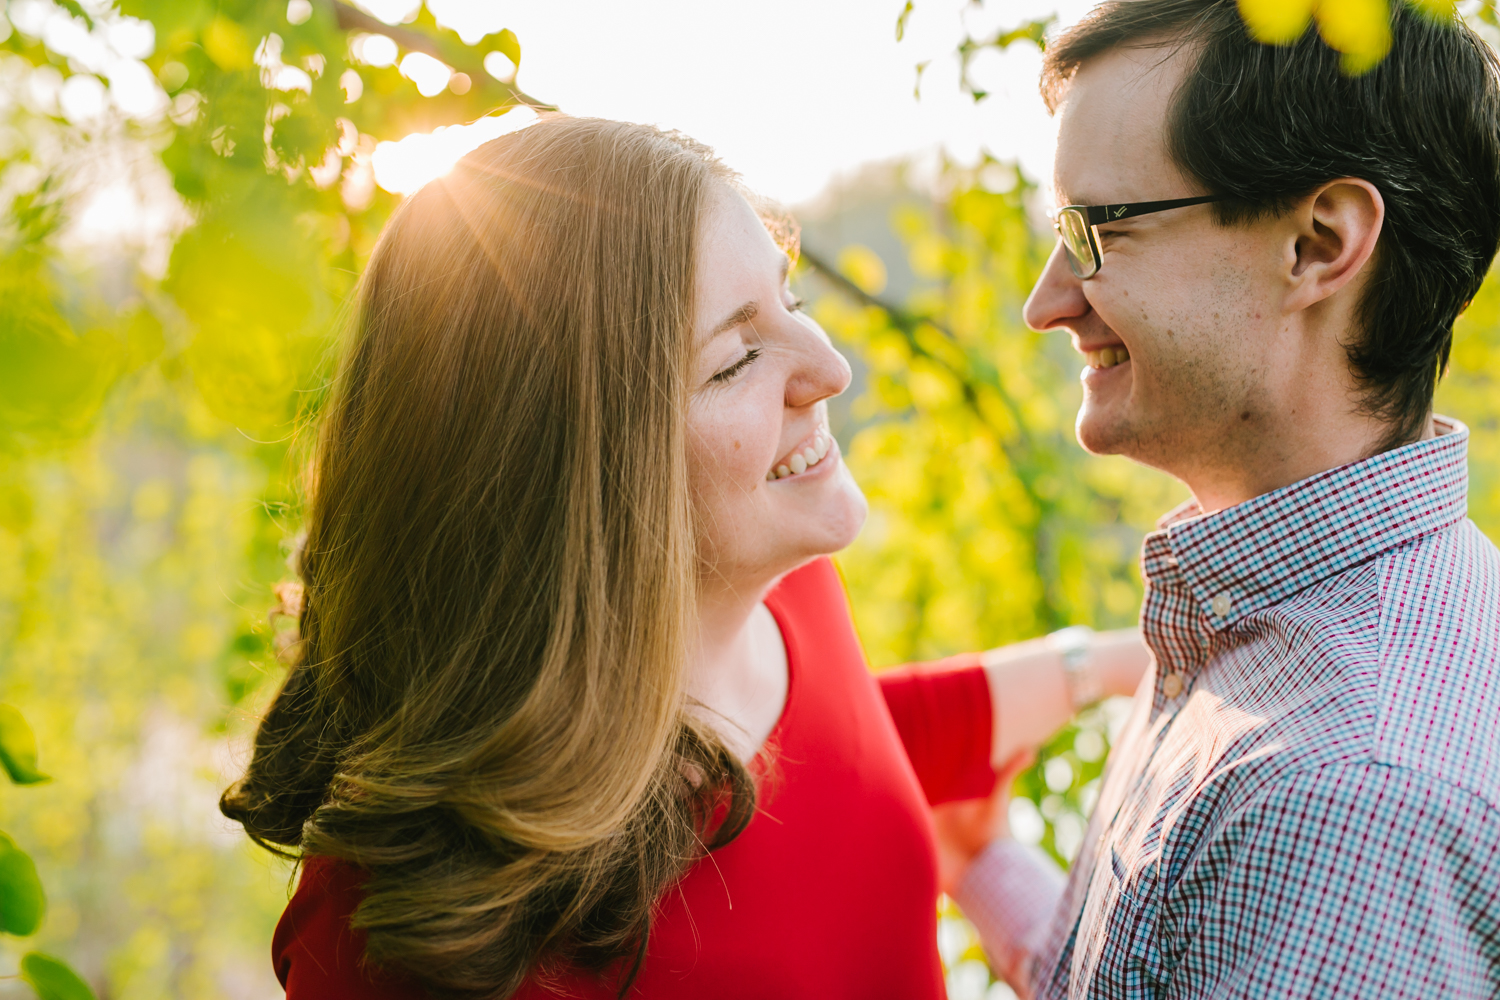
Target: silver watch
x,y
1075,645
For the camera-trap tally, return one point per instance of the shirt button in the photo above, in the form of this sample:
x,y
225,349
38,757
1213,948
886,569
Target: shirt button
x,y
1221,604
1171,685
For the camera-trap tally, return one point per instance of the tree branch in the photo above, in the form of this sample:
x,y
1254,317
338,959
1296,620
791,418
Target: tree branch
x,y
351,18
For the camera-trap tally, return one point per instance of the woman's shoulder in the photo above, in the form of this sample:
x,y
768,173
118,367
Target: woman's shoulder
x,y
317,954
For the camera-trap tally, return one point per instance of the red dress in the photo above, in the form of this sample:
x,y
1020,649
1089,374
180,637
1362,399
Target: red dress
x,y
831,890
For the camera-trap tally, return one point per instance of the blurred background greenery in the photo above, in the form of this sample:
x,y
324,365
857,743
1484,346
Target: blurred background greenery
x,y
149,397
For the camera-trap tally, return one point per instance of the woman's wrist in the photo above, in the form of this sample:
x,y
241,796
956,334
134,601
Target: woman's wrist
x,y
1033,694
1029,695
1120,658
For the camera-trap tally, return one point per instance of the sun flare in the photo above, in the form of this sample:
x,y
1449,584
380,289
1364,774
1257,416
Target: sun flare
x,y
402,167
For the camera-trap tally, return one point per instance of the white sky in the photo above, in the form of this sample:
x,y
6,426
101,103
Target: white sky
x,y
790,92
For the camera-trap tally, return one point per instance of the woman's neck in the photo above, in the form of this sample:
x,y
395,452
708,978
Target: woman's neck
x,y
738,673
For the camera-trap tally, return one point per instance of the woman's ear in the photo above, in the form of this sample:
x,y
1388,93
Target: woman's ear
x,y
1337,229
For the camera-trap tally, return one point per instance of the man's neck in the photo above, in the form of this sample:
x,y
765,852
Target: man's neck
x,y
1287,454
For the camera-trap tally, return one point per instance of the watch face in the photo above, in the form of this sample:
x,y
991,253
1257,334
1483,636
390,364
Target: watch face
x,y
1075,646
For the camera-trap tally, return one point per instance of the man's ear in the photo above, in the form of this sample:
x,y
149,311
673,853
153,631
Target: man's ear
x,y
1337,228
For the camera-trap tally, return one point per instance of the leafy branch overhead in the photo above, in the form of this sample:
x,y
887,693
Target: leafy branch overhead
x,y
269,120
1358,29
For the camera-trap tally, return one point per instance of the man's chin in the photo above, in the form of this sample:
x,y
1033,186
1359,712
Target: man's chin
x,y
1101,432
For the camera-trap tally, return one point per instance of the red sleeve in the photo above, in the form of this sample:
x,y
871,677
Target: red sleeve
x,y
317,955
944,714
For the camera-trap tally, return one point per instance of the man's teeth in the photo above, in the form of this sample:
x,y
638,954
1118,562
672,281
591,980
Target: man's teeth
x,y
1107,357
800,461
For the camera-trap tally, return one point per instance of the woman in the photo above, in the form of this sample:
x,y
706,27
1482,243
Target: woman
x,y
577,709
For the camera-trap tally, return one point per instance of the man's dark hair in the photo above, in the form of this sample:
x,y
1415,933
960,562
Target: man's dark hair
x,y
1264,125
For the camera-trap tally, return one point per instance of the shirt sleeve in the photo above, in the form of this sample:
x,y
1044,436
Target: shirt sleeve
x,y
944,716
1010,893
1348,881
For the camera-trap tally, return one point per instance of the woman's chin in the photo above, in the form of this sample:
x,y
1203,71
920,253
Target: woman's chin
x,y
781,536
836,522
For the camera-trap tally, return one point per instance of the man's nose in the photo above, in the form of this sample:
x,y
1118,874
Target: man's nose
x,y
1058,296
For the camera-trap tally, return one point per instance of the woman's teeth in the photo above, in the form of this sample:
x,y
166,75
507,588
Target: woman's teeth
x,y
1108,357
800,461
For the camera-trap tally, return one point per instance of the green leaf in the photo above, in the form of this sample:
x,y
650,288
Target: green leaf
x,y
1034,32
508,45
18,748
22,901
77,9
52,979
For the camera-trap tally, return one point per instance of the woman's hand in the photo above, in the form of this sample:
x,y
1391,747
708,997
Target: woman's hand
x,y
966,828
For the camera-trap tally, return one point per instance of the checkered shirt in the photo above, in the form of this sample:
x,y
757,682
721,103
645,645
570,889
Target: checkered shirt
x,y
1306,800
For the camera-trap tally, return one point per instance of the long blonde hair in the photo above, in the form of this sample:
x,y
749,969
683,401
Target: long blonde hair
x,y
487,711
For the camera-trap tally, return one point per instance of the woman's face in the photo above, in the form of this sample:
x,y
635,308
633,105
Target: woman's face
x,y
770,489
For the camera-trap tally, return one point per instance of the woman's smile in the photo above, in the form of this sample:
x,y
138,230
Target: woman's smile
x,y
809,454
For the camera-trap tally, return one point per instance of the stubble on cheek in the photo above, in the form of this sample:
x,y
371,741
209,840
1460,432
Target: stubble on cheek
x,y
1183,392
1201,404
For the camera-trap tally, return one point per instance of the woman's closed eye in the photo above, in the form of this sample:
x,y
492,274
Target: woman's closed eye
x,y
744,362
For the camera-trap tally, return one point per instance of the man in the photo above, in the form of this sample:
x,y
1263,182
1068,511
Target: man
x,y
1306,802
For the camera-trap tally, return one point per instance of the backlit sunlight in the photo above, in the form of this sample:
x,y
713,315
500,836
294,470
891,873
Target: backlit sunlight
x,y
403,167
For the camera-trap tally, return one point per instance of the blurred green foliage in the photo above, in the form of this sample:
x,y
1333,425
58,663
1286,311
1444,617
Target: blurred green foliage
x,y
151,380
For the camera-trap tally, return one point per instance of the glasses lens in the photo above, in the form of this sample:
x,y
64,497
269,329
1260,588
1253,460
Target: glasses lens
x,y
1074,229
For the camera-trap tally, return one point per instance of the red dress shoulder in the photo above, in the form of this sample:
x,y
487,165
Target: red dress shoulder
x,y
830,891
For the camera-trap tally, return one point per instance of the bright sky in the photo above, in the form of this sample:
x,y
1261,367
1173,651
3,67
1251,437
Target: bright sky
x,y
790,92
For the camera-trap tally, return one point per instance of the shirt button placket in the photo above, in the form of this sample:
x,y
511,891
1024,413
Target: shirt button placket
x,y
1172,684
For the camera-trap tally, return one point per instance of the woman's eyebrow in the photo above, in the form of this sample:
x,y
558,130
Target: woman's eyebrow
x,y
746,312
743,314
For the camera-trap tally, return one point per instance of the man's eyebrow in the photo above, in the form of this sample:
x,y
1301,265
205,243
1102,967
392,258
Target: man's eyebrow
x,y
743,314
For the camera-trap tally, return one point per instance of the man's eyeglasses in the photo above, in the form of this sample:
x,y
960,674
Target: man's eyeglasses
x,y
1075,224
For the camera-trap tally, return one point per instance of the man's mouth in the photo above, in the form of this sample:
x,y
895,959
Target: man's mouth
x,y
1107,357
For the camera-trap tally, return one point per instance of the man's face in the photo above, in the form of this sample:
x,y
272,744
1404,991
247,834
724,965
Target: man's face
x,y
1192,303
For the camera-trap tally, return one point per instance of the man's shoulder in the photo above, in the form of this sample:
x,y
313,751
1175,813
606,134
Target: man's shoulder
x,y
1439,673
1393,663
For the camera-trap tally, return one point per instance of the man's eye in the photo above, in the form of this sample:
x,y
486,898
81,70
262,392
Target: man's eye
x,y
737,367
796,305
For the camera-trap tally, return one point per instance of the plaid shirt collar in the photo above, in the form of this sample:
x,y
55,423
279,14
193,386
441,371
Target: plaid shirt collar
x,y
1256,554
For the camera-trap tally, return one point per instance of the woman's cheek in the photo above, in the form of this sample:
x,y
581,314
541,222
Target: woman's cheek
x,y
729,452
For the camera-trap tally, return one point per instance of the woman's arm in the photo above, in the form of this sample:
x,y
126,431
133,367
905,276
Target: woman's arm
x,y
1033,696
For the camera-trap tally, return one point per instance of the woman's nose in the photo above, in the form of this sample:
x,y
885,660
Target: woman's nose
x,y
1058,295
821,371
